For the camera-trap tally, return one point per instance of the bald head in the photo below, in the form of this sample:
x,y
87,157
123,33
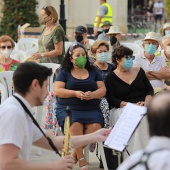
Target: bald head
x,y
159,115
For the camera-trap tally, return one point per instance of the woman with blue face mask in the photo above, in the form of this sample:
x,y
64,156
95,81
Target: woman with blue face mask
x,y
126,84
166,29
100,51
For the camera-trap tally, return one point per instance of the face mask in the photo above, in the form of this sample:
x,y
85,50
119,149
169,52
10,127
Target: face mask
x,y
43,21
150,49
103,57
168,49
81,61
113,40
79,38
167,32
6,53
127,64
106,31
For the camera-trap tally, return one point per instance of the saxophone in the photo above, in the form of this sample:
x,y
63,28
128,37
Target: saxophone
x,y
68,146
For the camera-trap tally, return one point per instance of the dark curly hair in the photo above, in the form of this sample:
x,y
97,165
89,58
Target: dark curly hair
x,y
68,64
119,53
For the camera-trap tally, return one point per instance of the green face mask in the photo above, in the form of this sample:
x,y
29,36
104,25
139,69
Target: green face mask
x,y
81,61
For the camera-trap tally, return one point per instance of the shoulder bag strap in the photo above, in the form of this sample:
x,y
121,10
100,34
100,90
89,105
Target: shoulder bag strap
x,y
35,122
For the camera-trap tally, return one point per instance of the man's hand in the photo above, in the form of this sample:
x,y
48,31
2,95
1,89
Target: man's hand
x,y
164,69
102,134
65,163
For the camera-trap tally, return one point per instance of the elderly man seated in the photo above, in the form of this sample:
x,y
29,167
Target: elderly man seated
x,y
154,66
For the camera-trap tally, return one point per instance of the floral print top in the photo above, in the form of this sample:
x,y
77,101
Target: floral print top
x,y
9,67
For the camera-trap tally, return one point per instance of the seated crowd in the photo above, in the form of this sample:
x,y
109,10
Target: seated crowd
x,y
98,80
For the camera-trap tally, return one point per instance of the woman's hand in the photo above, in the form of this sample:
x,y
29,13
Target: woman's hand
x,y
36,56
80,95
89,95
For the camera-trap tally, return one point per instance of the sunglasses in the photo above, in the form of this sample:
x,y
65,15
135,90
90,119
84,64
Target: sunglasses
x,y
4,47
128,57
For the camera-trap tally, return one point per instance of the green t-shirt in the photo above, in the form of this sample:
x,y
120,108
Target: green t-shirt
x,y
49,41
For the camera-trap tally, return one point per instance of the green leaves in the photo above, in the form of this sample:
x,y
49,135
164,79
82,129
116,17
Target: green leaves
x,y
167,7
17,12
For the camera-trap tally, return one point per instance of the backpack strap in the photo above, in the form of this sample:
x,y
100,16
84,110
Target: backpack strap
x,y
145,157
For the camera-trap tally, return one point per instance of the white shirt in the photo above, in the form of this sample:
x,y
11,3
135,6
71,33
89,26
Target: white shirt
x,y
155,65
158,8
16,127
159,160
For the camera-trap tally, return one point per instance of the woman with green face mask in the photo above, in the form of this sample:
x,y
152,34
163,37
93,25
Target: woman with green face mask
x,y
80,86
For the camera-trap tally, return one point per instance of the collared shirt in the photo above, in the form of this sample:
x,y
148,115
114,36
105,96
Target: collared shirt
x,y
16,127
103,36
157,161
155,65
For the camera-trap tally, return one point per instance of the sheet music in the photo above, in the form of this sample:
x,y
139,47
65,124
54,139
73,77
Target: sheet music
x,y
125,126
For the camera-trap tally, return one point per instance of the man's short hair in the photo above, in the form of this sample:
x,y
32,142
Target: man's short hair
x,y
26,73
158,113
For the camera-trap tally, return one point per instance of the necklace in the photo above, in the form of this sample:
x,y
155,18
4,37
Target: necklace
x,y
50,28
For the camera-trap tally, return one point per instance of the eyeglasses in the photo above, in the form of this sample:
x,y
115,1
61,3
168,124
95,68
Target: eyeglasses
x,y
4,47
128,57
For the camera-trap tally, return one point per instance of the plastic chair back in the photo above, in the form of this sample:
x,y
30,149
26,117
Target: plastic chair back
x,y
18,55
6,79
134,47
31,51
3,91
91,42
54,66
67,44
26,44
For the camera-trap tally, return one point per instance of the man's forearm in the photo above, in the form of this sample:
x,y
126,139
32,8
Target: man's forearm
x,y
160,75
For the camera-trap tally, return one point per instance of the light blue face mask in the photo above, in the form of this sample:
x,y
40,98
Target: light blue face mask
x,y
103,57
167,32
128,63
150,49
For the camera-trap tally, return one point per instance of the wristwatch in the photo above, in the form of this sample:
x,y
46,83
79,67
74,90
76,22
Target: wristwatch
x,y
42,54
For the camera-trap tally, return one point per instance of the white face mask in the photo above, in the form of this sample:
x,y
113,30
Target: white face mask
x,y
168,49
6,53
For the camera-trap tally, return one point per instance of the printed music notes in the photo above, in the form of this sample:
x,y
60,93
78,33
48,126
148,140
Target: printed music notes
x,y
125,126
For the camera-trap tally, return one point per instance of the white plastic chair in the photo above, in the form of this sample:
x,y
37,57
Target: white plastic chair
x,y
4,94
31,51
6,80
134,47
50,88
26,44
18,55
101,153
139,42
91,42
67,44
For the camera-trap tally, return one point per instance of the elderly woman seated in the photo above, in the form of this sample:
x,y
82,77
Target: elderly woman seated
x,y
6,62
126,84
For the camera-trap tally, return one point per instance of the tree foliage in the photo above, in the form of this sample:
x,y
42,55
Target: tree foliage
x,y
167,8
17,12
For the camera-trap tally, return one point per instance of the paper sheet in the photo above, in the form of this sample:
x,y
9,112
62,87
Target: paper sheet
x,y
125,126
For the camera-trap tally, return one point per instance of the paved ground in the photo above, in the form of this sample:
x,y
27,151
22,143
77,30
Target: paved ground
x,y
48,156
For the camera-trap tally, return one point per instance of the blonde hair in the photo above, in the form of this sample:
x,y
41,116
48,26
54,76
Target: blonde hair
x,y
5,38
97,44
50,10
